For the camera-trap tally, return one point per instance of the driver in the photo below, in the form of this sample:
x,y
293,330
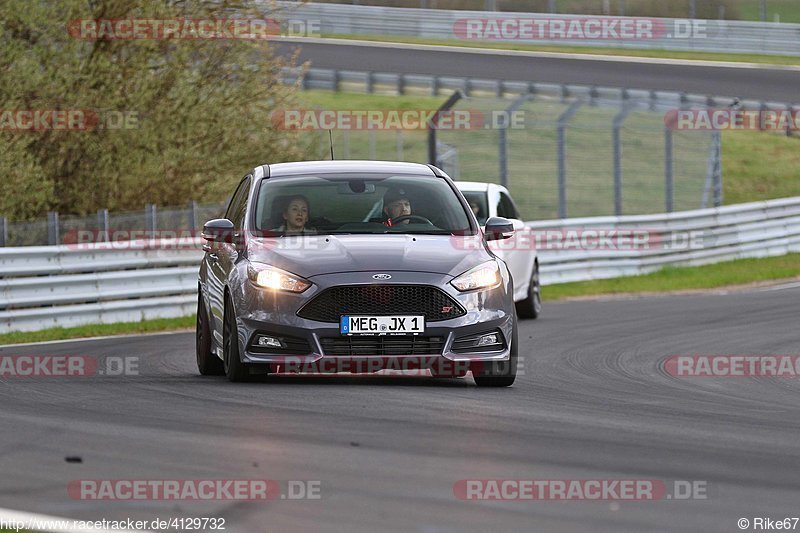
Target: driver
x,y
395,205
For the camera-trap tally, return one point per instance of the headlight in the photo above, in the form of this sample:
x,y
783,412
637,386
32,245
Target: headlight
x,y
270,277
485,276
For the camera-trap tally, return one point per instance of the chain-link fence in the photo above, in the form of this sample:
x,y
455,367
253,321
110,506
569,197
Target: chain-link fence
x,y
561,151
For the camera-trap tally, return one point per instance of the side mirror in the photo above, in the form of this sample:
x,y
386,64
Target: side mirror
x,y
218,230
498,228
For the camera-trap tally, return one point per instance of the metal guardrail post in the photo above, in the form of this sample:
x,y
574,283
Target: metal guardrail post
x,y
3,232
692,9
668,174
401,84
150,218
562,156
435,86
336,80
448,104
502,134
618,120
369,84
102,226
53,236
552,6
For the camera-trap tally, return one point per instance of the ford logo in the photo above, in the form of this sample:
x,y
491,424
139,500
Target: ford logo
x,y
382,276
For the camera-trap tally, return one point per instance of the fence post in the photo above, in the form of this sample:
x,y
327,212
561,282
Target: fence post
x,y
668,175
618,120
552,6
717,181
150,219
53,236
401,84
102,226
692,9
399,140
193,222
3,232
336,80
449,103
562,156
503,137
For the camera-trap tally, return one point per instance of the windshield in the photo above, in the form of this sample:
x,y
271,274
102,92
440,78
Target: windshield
x,y
359,204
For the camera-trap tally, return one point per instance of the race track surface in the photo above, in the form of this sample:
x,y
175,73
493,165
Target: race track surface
x,y
767,83
593,403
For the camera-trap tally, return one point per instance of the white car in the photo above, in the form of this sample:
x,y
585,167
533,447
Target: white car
x,y
492,200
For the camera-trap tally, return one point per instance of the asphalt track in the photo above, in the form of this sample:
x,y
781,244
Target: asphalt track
x,y
593,403
760,83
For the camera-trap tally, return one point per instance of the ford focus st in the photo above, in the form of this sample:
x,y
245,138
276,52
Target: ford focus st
x,y
354,266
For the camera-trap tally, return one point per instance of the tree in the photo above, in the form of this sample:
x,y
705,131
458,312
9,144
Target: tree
x,y
194,113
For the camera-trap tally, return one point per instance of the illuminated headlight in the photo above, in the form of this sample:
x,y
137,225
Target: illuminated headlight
x,y
273,278
485,276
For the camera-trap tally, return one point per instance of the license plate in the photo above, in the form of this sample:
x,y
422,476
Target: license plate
x,y
382,325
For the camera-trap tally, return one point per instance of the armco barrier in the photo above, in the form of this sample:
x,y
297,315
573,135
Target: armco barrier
x,y
708,35
66,286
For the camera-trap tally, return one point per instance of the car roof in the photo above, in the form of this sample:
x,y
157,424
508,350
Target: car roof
x,y
347,166
472,186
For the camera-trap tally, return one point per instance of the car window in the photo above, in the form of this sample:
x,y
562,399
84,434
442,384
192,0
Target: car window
x,y
238,206
506,207
478,201
357,204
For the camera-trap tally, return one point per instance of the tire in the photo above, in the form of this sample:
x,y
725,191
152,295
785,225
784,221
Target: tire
x,y
207,362
499,374
531,307
235,370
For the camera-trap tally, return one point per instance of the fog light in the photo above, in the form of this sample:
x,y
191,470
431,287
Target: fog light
x,y
271,342
487,340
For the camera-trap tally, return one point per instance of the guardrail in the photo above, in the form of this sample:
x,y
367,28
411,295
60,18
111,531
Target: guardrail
x,y
66,286
668,34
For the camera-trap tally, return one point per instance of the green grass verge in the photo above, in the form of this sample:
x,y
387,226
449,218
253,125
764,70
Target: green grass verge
x,y
571,49
738,272
99,330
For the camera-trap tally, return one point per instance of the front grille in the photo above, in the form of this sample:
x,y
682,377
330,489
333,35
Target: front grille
x,y
382,345
334,302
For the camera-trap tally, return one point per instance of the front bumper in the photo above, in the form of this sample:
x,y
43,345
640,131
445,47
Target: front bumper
x,y
261,311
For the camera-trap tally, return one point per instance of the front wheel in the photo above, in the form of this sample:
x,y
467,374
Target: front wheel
x,y
500,373
531,307
207,362
235,370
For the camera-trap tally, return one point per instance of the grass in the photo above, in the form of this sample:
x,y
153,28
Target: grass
x,y
738,272
787,10
98,330
571,49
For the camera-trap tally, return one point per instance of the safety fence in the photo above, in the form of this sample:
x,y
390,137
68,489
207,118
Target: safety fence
x,y
67,285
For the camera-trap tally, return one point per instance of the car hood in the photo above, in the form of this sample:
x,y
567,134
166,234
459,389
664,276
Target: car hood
x,y
326,254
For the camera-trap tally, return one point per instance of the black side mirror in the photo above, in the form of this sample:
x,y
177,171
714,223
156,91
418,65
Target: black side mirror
x,y
499,228
218,230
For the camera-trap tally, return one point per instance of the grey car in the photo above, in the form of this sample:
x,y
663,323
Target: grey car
x,y
354,266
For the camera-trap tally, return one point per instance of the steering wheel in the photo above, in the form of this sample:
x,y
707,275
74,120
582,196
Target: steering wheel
x,y
411,218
